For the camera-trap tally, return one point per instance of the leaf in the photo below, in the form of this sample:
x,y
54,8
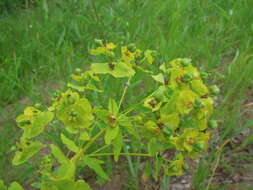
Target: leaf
x,y
117,146
65,171
158,165
84,136
26,153
185,100
82,185
120,69
113,107
158,78
15,186
2,186
199,87
171,120
37,123
94,164
147,171
66,185
58,154
69,143
153,147
83,88
83,114
100,68
111,134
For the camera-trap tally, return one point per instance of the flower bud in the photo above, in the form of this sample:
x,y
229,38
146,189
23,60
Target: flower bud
x,y
56,94
198,146
13,149
185,62
78,70
214,89
185,166
187,77
131,47
198,103
22,123
98,42
73,113
110,54
38,105
213,124
204,75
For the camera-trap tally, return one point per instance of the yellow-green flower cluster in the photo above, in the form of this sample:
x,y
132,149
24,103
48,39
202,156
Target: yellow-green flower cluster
x,y
182,105
175,117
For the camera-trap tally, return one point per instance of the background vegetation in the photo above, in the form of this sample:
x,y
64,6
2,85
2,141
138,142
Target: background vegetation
x,y
42,42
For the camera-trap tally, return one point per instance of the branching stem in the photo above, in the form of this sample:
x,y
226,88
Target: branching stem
x,y
121,154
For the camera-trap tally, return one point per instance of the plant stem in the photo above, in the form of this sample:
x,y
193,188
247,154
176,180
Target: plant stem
x,y
97,18
85,148
216,163
124,92
121,154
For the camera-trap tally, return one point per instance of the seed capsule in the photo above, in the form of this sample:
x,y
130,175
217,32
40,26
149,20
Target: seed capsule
x,y
131,47
215,90
78,70
204,75
213,124
187,78
198,102
198,146
98,42
73,113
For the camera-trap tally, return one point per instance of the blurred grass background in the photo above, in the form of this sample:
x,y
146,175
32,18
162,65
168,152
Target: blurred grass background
x,y
43,41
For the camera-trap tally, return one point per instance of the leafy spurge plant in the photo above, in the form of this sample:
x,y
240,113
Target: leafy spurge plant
x,y
175,116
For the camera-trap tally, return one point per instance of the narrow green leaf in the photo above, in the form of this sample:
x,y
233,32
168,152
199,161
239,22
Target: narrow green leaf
x,y
158,78
69,143
82,185
110,134
58,154
84,136
113,107
94,164
153,147
15,186
117,145
158,165
26,153
65,171
2,186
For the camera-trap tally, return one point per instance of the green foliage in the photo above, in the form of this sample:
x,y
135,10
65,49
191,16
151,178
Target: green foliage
x,y
170,120
46,43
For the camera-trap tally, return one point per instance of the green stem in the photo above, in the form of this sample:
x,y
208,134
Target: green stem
x,y
102,148
121,154
124,92
85,148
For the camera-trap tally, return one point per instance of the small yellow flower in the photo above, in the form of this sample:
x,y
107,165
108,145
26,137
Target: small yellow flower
x,y
149,57
127,55
192,141
107,48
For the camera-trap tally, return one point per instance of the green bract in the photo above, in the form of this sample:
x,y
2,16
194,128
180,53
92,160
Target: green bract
x,y
90,121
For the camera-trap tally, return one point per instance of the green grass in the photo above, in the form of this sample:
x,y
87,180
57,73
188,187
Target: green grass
x,y
45,44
